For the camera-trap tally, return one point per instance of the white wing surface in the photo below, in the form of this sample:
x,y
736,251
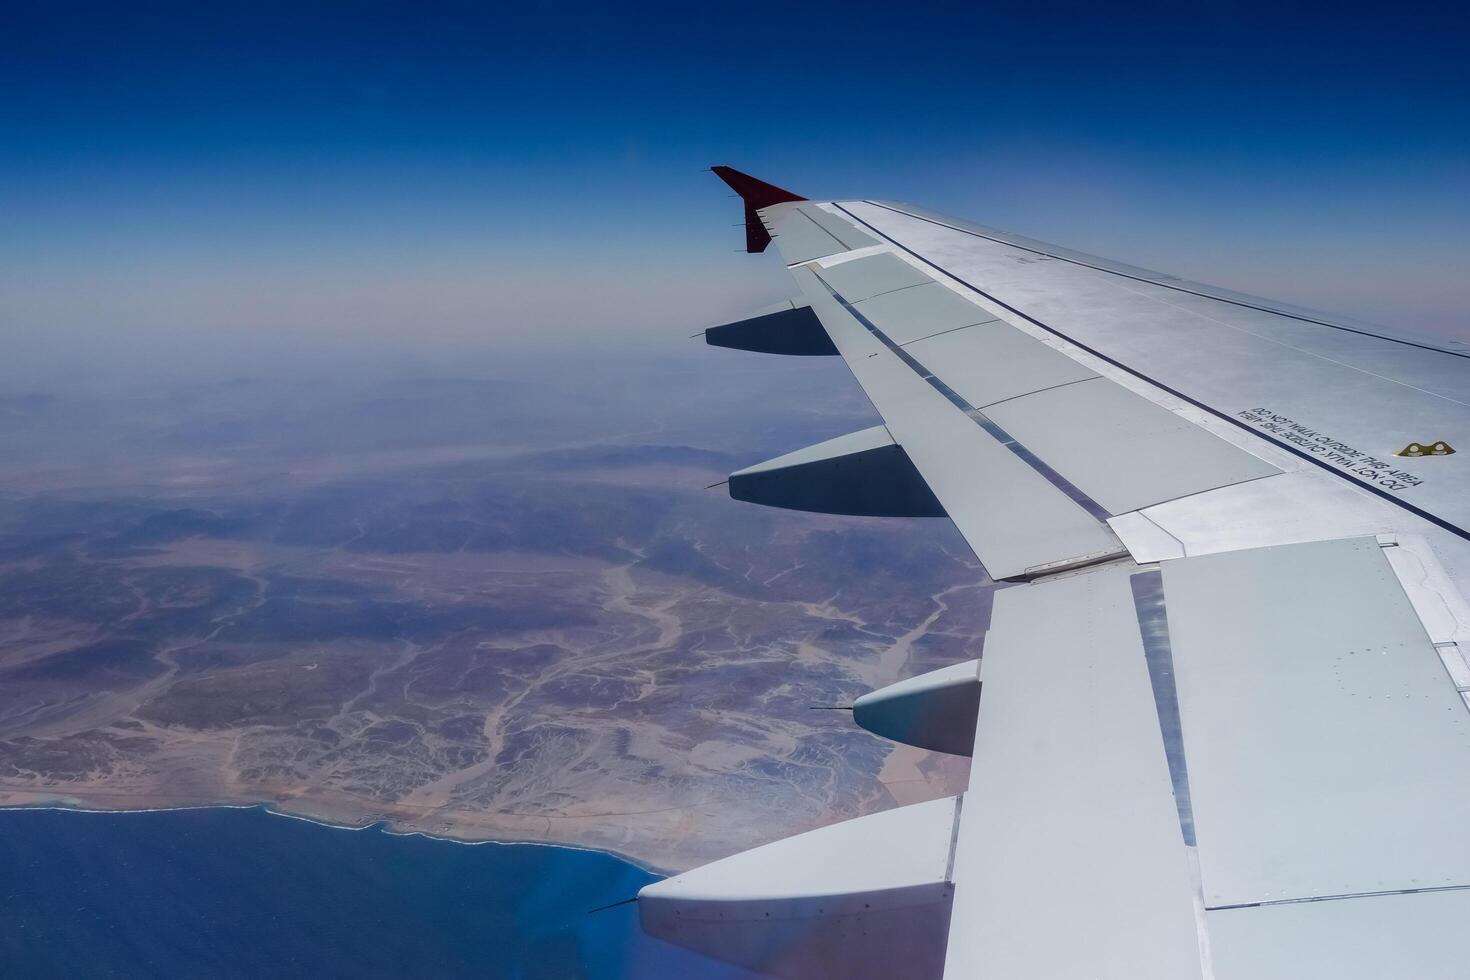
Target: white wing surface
x,y
1224,729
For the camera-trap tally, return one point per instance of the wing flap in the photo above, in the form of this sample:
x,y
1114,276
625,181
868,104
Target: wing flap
x,y
1014,517
1328,749
1294,807
1070,828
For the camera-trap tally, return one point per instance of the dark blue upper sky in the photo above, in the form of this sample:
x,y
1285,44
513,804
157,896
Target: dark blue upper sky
x,y
247,169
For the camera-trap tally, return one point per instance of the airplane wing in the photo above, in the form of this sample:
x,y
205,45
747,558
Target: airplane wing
x,y
1224,730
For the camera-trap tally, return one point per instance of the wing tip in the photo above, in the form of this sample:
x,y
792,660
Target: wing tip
x,y
752,190
756,194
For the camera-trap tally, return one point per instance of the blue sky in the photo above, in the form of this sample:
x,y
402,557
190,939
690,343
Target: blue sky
x,y
450,177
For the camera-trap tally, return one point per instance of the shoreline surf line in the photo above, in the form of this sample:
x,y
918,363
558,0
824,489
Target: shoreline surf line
x,y
383,826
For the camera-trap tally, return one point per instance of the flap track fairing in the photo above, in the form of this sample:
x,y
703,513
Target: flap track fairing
x,y
935,711
793,329
862,474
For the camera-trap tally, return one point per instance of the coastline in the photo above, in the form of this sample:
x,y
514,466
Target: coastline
x,y
225,891
384,824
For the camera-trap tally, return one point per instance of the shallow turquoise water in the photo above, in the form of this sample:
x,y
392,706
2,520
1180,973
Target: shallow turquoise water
x,y
243,892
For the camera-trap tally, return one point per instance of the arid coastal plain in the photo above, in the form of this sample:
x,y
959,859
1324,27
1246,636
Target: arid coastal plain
x,y
478,609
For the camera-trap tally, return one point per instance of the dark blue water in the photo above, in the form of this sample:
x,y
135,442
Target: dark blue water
x,y
233,893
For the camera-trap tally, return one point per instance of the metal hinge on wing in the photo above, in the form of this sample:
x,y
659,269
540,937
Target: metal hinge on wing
x,y
1437,602
1452,655
1035,572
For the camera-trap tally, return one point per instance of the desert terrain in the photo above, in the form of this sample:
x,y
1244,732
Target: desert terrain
x,y
473,608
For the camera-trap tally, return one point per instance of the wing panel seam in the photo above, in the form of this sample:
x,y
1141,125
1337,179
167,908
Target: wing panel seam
x,y
941,333
1338,898
1149,605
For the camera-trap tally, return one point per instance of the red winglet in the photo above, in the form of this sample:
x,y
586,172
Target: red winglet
x,y
756,194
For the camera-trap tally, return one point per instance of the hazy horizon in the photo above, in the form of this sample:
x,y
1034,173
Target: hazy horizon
x,y
272,190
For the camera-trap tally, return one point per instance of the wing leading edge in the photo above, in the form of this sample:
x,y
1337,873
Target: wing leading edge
x,y
1224,729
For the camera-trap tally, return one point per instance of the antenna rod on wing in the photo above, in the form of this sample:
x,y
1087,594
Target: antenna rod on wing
x,y
604,908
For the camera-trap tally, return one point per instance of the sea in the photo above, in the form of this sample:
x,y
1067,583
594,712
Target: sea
x,y
245,892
